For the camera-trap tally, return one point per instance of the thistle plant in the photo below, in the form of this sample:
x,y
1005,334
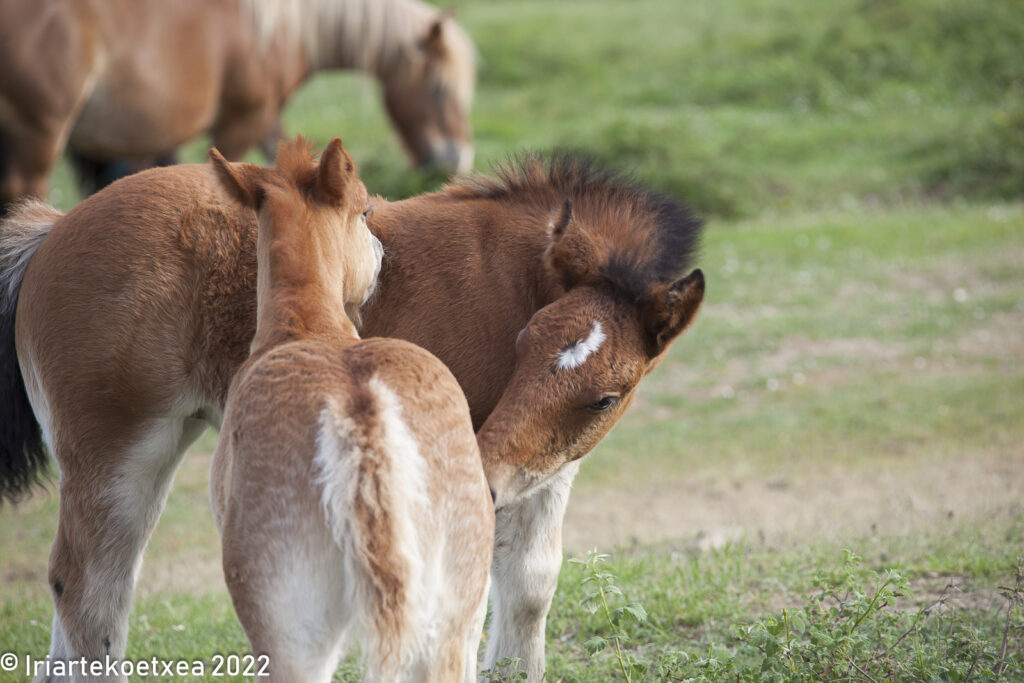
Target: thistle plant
x,y
599,580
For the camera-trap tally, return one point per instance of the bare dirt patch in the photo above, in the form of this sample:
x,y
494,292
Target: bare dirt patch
x,y
891,496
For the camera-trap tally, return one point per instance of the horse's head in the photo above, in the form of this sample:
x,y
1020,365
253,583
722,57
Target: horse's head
x,y
314,218
428,97
580,358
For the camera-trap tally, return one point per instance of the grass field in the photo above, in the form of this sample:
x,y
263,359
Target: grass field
x,y
855,381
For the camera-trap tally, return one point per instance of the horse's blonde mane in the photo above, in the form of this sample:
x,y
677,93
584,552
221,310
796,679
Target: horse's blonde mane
x,y
378,36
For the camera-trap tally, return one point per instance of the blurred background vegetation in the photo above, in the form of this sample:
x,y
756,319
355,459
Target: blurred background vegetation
x,y
741,108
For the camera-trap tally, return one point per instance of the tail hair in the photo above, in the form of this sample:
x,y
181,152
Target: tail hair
x,y
369,506
23,460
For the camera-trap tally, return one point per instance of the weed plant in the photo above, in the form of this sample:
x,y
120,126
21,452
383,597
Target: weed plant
x,y
855,625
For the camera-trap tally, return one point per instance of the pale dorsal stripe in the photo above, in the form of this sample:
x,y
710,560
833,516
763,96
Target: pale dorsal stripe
x,y
576,354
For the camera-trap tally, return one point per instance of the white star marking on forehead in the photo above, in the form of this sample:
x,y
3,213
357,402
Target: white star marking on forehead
x,y
577,353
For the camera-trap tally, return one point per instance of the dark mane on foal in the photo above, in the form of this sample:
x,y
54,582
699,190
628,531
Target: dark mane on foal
x,y
642,238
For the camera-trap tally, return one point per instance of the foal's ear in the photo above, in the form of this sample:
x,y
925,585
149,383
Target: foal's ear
x,y
240,180
672,310
569,252
336,171
559,224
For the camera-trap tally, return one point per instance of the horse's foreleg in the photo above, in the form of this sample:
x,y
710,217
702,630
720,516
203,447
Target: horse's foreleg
x,y
268,145
239,129
7,188
524,574
27,155
108,508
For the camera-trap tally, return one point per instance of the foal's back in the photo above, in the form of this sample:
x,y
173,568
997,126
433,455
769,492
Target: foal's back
x,y
347,484
371,519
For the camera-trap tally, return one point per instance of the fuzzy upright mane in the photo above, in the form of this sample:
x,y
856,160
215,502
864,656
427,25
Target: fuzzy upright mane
x,y
641,239
295,164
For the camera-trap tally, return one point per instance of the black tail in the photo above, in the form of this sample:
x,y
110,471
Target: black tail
x,y
93,174
23,460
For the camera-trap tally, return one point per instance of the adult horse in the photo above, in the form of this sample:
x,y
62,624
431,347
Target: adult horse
x,y
137,78
549,293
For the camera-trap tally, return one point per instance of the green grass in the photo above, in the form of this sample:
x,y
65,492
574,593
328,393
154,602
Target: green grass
x,y
841,332
695,602
698,603
855,379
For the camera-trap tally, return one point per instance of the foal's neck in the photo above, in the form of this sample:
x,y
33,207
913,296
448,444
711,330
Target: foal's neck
x,y
300,284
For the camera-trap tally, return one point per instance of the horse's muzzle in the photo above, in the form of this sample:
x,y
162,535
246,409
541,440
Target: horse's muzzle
x,y
450,155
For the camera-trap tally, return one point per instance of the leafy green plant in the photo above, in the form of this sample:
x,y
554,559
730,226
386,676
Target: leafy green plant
x,y
836,633
856,627
1015,603
505,671
600,582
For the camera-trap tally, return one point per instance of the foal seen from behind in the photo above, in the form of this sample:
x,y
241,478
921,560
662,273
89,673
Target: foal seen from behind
x,y
347,483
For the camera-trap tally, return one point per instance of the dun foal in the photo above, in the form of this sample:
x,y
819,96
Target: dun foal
x,y
347,484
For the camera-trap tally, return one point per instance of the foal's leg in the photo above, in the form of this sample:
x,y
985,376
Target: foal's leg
x,y
289,589
447,663
110,500
476,629
454,657
524,573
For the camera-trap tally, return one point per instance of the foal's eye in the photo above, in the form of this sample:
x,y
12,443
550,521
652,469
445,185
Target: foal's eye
x,y
368,210
605,403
